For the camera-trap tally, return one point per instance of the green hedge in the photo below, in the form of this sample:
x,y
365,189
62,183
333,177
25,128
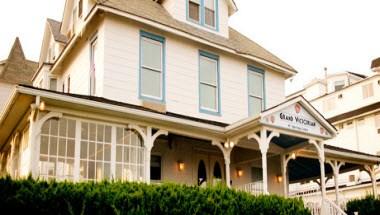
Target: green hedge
x,y
41,197
366,206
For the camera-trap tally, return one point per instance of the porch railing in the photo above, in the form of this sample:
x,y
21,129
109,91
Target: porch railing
x,y
254,188
329,208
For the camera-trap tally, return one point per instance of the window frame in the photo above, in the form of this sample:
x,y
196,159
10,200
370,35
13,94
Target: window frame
x,y
213,57
160,39
202,15
256,71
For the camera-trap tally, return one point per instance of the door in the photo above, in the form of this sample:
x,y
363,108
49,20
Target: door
x,y
208,169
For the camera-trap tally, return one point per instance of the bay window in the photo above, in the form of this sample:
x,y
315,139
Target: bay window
x,y
209,83
152,67
255,91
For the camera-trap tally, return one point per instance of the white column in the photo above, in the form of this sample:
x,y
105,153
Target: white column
x,y
113,152
33,144
11,159
284,164
321,156
335,165
226,150
78,128
227,162
372,173
148,152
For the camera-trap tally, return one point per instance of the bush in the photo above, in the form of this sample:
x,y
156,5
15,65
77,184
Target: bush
x,y
366,206
41,197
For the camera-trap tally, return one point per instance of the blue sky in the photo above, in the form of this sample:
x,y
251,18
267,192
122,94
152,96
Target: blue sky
x,y
309,35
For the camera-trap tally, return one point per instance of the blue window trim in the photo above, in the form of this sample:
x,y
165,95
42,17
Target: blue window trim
x,y
254,69
217,112
201,22
161,40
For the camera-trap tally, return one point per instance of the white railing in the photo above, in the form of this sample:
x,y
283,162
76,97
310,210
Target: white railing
x,y
254,188
329,208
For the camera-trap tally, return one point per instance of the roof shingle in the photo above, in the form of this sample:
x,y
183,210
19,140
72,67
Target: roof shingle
x,y
55,27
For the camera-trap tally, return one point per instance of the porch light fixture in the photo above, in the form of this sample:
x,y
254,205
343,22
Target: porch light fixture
x,y
229,144
293,156
181,166
279,178
42,106
239,172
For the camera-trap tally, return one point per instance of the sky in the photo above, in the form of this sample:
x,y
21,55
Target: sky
x,y
341,35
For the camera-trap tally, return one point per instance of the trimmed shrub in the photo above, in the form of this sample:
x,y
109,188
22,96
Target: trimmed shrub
x,y
366,206
41,197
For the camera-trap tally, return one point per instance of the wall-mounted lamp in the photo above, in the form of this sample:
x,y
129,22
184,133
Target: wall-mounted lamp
x,y
229,144
279,178
239,172
42,106
181,166
293,156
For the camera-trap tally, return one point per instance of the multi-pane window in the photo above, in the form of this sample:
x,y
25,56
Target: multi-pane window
x,y
129,155
152,67
57,148
194,10
209,12
95,151
203,12
209,82
367,90
255,91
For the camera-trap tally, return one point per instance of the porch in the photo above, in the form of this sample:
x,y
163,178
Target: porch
x,y
79,138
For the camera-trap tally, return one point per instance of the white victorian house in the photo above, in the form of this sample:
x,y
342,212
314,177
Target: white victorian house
x,y
157,91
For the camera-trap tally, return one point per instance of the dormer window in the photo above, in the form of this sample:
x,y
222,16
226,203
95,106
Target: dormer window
x,y
203,12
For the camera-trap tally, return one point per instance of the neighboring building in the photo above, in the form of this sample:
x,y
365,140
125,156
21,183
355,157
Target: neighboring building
x,y
16,69
156,91
351,102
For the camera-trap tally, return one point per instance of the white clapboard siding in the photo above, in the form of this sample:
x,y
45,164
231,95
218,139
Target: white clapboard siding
x,y
121,70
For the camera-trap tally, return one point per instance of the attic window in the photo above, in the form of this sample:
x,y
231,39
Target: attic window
x,y
194,10
210,13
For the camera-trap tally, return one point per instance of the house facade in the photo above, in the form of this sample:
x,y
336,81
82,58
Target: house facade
x,y
350,102
157,91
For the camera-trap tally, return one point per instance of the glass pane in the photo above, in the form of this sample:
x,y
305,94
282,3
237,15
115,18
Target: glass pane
x,y
70,148
119,153
91,151
71,128
45,128
119,171
54,127
107,171
208,97
255,105
210,4
83,169
119,136
53,84
150,82
210,17
126,155
84,131
255,84
69,168
83,150
99,171
44,145
208,70
108,134
133,156
107,152
99,151
91,170
51,168
53,146
92,132
100,133
62,147
151,54
62,127
194,11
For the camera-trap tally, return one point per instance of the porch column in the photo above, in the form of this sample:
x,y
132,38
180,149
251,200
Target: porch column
x,y
336,165
284,162
33,165
149,138
12,155
372,173
321,155
226,150
264,141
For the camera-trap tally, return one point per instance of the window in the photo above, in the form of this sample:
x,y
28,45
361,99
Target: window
x,y
209,11
57,148
80,8
367,90
194,10
155,168
203,12
255,91
338,85
209,83
129,155
152,67
53,84
93,63
95,152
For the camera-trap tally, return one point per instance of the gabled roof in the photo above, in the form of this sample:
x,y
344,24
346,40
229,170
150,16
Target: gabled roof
x,y
155,12
55,27
17,69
